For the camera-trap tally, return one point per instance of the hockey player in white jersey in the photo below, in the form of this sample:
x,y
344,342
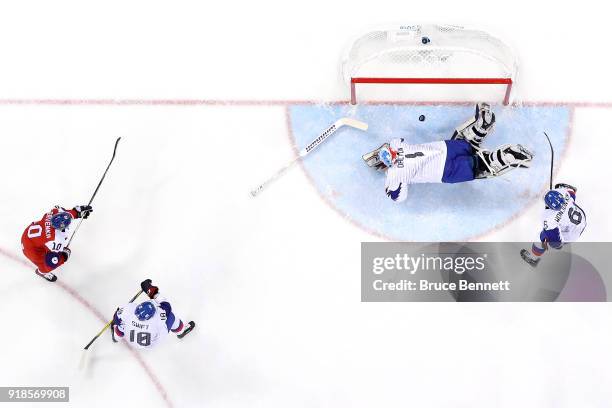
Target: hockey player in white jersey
x,y
449,161
564,221
144,325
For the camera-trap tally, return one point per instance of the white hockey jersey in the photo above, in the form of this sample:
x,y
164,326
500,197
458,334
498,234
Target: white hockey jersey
x,y
568,223
142,334
416,163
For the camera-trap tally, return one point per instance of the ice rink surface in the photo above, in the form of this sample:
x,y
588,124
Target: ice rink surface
x,y
463,211
209,102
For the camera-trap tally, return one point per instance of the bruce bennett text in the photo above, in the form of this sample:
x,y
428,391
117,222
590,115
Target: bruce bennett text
x,y
425,285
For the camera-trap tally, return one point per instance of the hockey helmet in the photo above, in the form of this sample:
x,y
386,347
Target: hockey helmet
x,y
61,220
387,156
554,200
145,311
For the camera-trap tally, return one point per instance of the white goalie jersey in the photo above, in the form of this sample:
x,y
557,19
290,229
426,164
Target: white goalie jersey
x,y
416,163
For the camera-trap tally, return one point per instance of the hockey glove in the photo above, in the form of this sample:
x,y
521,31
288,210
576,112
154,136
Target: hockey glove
x,y
116,331
66,254
83,211
149,289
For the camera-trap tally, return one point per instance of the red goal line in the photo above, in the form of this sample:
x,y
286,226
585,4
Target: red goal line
x,y
463,81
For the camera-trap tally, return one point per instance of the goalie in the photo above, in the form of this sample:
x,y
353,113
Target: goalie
x,y
449,161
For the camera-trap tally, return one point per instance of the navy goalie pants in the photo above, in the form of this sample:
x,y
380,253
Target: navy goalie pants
x,y
460,162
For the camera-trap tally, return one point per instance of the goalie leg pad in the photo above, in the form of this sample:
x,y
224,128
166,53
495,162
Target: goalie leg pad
x,y
475,130
502,160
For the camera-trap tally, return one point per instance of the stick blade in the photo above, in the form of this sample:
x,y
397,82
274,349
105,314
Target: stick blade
x,y
256,191
354,123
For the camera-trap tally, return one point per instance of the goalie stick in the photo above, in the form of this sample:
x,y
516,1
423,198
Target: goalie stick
x,y
311,146
525,252
96,191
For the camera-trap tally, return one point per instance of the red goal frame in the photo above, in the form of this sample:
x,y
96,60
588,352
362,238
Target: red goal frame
x,y
462,81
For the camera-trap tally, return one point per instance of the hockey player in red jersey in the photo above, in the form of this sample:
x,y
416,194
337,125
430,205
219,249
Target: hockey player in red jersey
x,y
44,242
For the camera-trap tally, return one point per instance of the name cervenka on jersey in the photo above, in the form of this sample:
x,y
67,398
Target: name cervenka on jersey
x,y
48,226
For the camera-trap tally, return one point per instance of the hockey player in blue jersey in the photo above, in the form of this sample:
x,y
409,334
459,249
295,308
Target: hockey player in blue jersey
x,y
456,160
144,325
564,221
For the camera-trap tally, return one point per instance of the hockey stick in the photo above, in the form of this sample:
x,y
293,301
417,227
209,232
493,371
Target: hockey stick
x,y
552,159
97,188
108,324
316,142
525,252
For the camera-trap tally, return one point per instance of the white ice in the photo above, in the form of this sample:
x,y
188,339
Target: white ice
x,y
273,283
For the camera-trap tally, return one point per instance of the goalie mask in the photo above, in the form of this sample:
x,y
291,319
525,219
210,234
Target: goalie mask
x,y
387,156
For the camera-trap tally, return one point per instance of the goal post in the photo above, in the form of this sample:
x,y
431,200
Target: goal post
x,y
429,54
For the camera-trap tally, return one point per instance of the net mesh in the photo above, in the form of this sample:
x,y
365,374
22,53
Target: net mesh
x,y
429,51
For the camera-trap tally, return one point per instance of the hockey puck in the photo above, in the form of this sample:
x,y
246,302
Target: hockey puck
x,y
425,40
422,118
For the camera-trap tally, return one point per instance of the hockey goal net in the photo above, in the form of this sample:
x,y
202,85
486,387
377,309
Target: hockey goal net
x,y
430,54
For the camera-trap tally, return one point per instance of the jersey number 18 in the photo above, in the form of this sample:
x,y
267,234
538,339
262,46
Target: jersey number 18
x,y
142,338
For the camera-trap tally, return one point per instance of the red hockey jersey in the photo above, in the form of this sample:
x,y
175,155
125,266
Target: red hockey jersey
x,y
42,244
